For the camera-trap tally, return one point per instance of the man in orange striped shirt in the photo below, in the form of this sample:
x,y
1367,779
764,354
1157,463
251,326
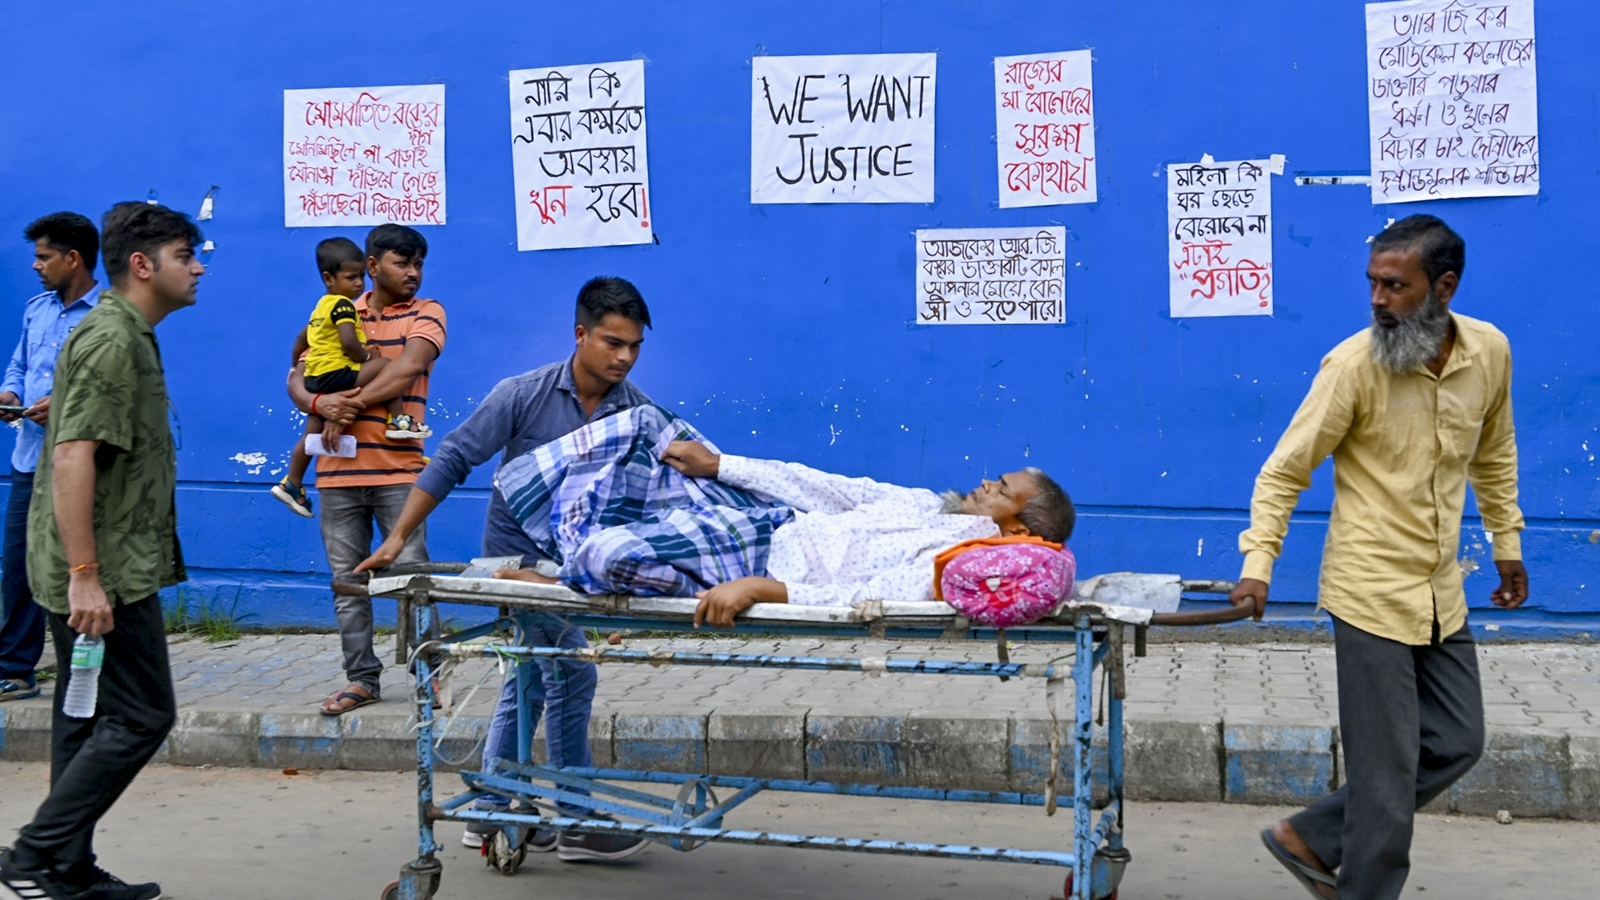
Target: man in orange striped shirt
x,y
372,487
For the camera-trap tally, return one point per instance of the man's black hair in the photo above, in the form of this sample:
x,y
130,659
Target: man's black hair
x,y
65,231
603,296
1438,246
1049,513
406,243
138,227
333,253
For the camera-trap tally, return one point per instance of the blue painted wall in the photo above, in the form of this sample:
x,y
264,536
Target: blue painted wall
x,y
785,331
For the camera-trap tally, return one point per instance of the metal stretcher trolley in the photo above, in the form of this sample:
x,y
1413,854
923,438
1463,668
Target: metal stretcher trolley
x,y
543,796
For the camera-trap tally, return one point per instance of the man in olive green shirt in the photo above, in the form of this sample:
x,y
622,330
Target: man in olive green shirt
x,y
102,541
1412,410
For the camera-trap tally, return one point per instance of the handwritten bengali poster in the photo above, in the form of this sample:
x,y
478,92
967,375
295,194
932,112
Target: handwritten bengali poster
x,y
992,276
1219,238
578,156
1044,108
363,156
842,129
1452,99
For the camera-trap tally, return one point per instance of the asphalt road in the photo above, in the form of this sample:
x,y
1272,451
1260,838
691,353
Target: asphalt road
x,y
242,834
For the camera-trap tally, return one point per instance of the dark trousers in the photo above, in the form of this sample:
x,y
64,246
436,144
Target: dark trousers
x,y
21,620
1411,722
92,761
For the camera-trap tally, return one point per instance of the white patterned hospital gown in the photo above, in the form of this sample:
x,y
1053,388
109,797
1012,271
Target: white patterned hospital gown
x,y
852,539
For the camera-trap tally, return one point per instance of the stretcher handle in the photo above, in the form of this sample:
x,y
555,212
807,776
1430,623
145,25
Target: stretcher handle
x,y
354,584
1209,616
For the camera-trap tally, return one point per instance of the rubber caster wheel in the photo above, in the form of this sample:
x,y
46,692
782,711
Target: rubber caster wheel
x,y
499,854
392,892
1066,890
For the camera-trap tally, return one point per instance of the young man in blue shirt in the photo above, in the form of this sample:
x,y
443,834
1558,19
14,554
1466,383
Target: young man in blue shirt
x,y
521,413
65,247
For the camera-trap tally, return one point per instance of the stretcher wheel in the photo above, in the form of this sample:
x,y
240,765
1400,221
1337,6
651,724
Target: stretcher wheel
x,y
392,892
1066,890
499,853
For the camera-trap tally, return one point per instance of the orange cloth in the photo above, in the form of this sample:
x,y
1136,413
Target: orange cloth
x,y
944,558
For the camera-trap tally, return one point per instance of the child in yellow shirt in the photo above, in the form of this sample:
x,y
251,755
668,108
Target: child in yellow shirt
x,y
337,359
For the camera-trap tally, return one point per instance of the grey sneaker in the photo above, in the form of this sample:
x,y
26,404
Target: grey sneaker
x,y
598,847
478,832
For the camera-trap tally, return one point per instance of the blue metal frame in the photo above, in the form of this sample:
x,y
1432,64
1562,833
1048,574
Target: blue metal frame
x,y
546,796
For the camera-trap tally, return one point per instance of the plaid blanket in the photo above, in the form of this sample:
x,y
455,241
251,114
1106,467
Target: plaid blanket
x,y
600,502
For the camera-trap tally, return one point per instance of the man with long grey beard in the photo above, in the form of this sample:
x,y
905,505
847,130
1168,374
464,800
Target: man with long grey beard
x,y
1411,410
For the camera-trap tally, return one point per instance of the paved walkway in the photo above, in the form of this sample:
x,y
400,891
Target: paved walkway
x,y
1238,722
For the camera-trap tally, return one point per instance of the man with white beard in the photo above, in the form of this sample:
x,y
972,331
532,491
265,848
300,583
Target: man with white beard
x,y
1411,410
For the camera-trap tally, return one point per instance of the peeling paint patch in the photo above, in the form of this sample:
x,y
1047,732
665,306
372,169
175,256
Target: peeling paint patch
x,y
253,462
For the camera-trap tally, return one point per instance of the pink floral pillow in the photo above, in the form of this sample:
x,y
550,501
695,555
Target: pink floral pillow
x,y
1008,584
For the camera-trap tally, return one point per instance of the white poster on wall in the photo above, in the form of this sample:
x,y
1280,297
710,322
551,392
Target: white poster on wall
x,y
1219,237
1451,93
842,129
578,156
991,276
1044,130
364,156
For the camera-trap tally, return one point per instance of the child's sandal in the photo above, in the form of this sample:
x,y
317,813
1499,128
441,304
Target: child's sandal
x,y
405,428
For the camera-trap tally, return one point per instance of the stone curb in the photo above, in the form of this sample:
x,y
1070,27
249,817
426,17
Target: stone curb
x,y
1527,771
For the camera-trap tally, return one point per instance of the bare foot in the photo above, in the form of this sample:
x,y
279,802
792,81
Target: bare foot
x,y
524,575
1285,835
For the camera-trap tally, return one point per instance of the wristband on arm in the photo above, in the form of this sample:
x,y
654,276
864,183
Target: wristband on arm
x,y
314,399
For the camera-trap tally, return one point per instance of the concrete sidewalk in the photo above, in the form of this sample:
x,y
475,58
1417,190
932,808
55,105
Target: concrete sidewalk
x,y
1206,722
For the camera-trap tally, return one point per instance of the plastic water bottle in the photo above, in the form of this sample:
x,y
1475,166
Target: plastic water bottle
x,y
83,687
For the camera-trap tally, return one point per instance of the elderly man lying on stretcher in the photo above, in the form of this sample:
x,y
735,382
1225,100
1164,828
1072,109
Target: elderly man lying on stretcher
x,y
641,503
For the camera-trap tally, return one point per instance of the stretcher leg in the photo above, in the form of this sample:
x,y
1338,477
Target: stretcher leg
x,y
1083,767
419,879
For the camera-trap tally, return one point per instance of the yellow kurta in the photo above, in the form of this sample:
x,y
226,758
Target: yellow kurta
x,y
1404,447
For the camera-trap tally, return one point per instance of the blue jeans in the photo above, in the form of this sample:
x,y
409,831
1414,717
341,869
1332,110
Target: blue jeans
x,y
561,690
21,620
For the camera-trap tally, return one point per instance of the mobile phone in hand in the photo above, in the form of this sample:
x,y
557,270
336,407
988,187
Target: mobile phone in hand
x,y
19,410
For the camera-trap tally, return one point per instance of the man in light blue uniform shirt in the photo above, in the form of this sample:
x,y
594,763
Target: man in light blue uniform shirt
x,y
65,248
